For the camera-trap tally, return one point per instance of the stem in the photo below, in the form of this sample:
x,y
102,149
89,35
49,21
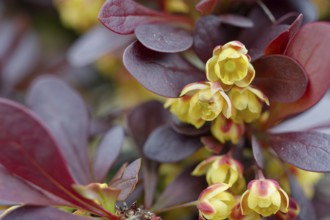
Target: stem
x,y
193,203
260,174
267,11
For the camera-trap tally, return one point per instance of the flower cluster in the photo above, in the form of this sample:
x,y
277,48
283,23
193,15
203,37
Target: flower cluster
x,y
227,99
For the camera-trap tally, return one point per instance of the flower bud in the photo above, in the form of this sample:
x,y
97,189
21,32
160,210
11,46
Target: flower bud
x,y
225,129
214,203
230,65
265,197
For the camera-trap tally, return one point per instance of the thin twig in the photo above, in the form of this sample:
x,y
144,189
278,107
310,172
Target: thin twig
x,y
267,11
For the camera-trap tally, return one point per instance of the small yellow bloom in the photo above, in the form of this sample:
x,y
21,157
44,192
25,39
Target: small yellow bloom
x,y
214,203
265,197
222,169
236,214
200,102
247,103
176,6
230,65
225,129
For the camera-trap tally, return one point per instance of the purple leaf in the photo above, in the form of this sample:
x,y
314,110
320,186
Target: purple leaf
x,y
165,145
39,212
209,33
123,16
163,74
107,152
305,150
257,153
281,78
15,190
306,207
206,6
29,151
187,129
95,44
164,38
184,188
312,53
236,20
150,179
127,182
65,114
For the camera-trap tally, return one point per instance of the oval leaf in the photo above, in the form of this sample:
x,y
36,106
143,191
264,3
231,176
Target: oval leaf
x,y
164,74
305,150
165,145
313,54
281,78
236,20
164,38
65,114
188,129
107,152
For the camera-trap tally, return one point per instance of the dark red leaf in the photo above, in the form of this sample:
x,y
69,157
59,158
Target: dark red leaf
x,y
107,152
257,153
94,44
150,179
39,212
281,78
306,207
15,190
164,38
165,145
313,54
29,151
209,33
184,188
64,112
123,16
236,20
187,129
305,150
206,6
161,73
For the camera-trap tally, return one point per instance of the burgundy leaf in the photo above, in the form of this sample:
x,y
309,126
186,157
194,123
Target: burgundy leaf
x,y
39,212
165,145
184,188
236,20
257,153
164,38
94,44
15,190
313,54
306,207
305,150
187,129
209,33
150,179
127,182
107,152
161,73
29,151
123,16
281,78
65,114
206,6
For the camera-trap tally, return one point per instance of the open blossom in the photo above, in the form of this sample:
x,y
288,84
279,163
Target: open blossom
x,y
222,169
224,129
236,214
200,102
230,65
214,203
264,196
247,103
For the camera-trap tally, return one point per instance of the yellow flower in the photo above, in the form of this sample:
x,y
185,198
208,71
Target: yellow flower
x,y
222,169
265,197
176,6
214,203
236,214
200,102
247,103
230,65
225,129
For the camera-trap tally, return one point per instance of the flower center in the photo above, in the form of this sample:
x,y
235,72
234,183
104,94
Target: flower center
x,y
230,65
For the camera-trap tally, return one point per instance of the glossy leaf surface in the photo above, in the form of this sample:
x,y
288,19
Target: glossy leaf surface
x,y
64,112
165,145
305,150
164,38
107,152
163,74
281,78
